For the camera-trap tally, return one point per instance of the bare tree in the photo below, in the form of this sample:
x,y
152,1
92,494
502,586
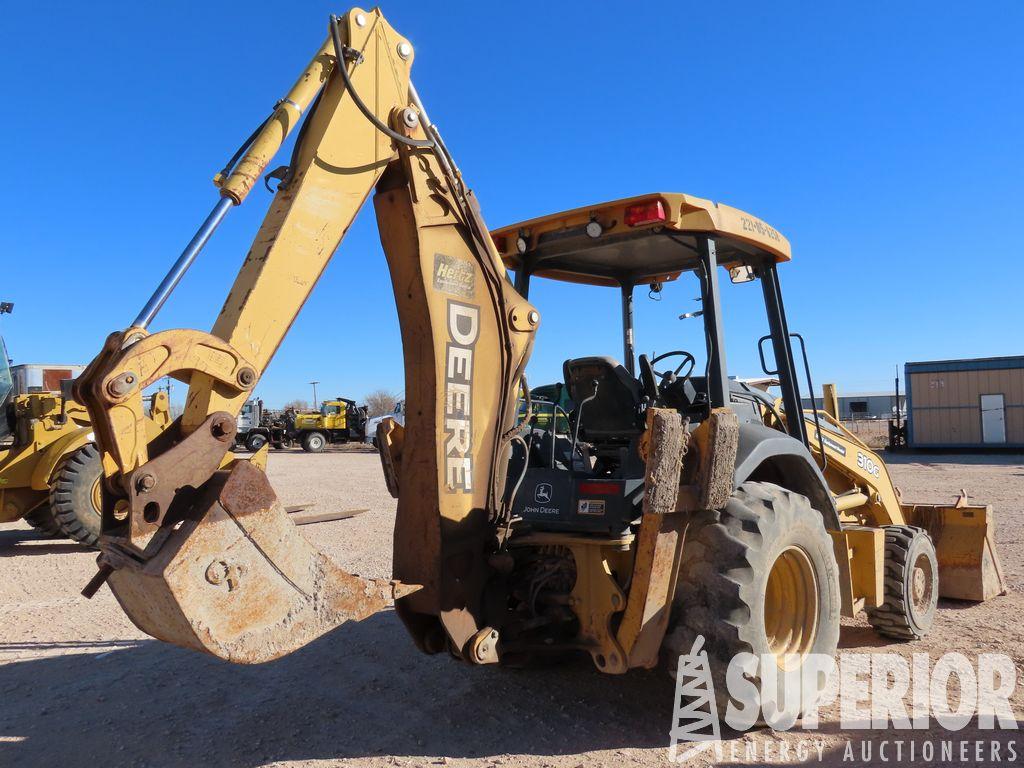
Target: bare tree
x,y
380,402
297,405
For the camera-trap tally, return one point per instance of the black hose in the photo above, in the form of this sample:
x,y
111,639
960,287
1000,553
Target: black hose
x,y
300,136
230,166
367,113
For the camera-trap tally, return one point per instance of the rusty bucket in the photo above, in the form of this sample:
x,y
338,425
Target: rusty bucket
x,y
239,580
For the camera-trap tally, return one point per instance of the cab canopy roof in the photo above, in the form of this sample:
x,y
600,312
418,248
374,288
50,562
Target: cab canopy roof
x,y
638,240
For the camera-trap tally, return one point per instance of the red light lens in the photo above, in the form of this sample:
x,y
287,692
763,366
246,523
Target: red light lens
x,y
501,243
648,212
600,489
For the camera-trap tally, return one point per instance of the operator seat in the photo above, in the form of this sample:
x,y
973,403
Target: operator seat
x,y
614,415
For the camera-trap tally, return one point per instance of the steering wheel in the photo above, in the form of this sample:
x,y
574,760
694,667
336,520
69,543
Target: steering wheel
x,y
666,377
649,376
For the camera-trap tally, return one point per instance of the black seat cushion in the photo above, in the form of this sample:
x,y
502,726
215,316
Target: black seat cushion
x,y
614,415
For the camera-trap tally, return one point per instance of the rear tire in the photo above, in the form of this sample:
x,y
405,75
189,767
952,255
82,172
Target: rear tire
x,y
41,518
255,442
911,584
758,577
314,442
74,495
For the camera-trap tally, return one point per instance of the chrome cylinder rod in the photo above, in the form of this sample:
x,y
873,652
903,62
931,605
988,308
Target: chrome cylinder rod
x,y
156,301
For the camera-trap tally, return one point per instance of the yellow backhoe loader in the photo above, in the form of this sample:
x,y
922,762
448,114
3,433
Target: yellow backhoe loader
x,y
679,505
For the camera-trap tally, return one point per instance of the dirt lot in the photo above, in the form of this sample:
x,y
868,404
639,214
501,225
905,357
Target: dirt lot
x,y
79,685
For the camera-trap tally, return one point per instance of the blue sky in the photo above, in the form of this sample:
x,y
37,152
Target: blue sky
x,y
884,140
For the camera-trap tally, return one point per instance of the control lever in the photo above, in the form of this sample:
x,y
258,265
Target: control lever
x,y
579,419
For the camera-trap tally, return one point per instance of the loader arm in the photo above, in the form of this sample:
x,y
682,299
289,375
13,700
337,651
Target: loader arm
x,y
865,495
207,559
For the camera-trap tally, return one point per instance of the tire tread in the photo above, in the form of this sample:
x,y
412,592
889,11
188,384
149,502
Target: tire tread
x,y
72,475
892,619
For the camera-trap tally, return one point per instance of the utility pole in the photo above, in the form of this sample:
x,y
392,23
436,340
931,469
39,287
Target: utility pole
x,y
315,401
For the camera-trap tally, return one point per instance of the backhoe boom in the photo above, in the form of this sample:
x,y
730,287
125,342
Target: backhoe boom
x,y
207,559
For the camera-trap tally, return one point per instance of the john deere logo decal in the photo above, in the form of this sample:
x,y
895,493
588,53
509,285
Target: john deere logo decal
x,y
542,493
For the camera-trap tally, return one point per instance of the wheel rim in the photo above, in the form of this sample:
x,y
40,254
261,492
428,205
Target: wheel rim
x,y
922,584
791,607
96,495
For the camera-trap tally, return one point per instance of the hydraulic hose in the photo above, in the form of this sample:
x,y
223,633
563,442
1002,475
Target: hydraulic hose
x,y
339,52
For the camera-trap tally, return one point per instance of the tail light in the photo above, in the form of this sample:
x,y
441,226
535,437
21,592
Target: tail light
x,y
647,212
593,488
501,243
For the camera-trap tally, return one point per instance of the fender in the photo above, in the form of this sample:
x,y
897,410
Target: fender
x,y
768,455
57,450
42,474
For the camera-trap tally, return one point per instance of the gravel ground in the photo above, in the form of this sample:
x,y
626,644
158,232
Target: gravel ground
x,y
79,685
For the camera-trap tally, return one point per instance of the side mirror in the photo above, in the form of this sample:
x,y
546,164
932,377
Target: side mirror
x,y
742,274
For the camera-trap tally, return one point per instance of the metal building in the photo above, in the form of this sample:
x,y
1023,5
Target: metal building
x,y
966,403
863,405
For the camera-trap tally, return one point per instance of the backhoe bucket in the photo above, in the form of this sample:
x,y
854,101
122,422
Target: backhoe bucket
x,y
240,581
964,537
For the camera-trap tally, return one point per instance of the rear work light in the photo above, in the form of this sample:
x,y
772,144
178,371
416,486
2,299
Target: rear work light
x,y
647,212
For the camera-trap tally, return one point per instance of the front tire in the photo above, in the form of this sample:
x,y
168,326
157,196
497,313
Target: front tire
x,y
911,584
757,577
75,495
314,442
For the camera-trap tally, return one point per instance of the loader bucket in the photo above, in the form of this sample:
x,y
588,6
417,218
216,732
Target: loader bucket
x,y
964,537
239,581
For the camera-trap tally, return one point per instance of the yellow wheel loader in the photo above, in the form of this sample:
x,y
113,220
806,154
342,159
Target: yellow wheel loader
x,y
49,464
677,505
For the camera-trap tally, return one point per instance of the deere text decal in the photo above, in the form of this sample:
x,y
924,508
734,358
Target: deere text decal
x,y
463,332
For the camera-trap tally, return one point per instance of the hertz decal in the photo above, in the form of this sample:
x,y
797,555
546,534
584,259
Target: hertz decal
x,y
463,333
455,276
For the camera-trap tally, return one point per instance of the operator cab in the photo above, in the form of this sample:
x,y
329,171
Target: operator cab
x,y
587,476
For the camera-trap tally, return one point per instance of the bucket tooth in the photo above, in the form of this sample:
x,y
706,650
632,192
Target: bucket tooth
x,y
239,581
